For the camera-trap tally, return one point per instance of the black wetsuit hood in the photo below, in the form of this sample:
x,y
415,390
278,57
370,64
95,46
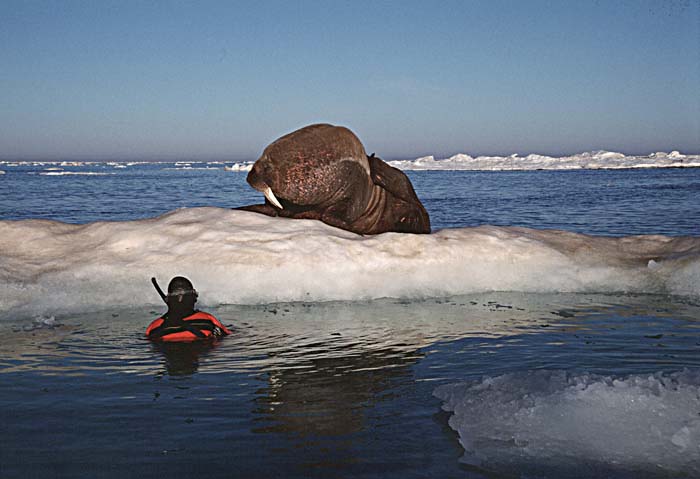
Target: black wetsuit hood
x,y
179,307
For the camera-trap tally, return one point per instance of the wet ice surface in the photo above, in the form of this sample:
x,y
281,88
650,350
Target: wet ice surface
x,y
345,389
237,257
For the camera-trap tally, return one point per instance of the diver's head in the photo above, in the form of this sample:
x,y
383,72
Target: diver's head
x,y
181,291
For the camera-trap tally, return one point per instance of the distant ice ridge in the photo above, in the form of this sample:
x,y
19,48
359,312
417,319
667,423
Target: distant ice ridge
x,y
248,258
542,421
73,173
239,167
188,167
591,161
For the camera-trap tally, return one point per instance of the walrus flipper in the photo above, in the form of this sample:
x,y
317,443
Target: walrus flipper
x,y
266,209
391,179
406,206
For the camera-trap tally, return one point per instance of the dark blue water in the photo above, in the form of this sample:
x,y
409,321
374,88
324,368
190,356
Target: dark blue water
x,y
603,202
334,389
606,202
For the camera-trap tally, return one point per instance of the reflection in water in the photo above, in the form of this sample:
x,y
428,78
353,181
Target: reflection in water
x,y
325,407
182,359
329,396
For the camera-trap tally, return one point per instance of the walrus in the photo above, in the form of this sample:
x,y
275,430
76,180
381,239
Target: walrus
x,y
323,172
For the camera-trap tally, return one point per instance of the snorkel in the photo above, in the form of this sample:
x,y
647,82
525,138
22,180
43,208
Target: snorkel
x,y
160,291
164,297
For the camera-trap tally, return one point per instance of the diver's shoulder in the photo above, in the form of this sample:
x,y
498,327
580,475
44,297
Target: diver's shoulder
x,y
200,315
154,324
203,315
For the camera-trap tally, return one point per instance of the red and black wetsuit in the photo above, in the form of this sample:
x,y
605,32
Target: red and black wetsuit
x,y
199,325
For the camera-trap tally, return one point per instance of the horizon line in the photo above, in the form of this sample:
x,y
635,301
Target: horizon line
x,y
174,159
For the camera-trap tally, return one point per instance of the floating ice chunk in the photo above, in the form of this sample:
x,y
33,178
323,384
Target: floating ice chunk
x,y
682,438
42,322
74,173
243,257
540,421
239,167
191,168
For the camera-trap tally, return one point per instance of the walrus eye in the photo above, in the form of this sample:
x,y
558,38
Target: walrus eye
x,y
271,197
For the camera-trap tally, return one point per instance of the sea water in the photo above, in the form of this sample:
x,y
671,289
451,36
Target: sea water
x,y
531,335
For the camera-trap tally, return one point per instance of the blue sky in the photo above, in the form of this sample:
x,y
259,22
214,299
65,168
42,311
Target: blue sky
x,y
220,80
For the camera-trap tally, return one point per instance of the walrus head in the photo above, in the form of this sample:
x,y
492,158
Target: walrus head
x,y
322,172
313,167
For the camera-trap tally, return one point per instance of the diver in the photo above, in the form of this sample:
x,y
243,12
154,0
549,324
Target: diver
x,y
182,322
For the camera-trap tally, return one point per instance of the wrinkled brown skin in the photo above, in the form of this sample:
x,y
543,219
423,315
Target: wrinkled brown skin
x,y
322,172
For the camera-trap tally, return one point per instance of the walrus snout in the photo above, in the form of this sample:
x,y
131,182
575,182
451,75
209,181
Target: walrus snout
x,y
256,179
256,176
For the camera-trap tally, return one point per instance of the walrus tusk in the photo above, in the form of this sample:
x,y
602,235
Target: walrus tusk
x,y
271,197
